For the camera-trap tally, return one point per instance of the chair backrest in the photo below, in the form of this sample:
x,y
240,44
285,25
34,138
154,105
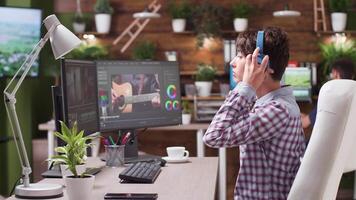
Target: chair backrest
x,y
331,149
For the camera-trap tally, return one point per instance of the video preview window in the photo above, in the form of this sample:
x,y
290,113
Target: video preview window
x,y
131,93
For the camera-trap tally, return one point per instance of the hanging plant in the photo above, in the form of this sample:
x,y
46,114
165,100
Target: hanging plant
x,y
207,21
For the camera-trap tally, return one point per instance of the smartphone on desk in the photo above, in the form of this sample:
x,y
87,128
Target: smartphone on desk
x,y
131,196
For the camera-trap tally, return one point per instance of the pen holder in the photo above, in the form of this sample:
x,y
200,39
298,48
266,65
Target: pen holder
x,y
115,155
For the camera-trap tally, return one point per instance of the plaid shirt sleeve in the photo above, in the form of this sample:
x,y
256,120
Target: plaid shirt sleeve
x,y
236,123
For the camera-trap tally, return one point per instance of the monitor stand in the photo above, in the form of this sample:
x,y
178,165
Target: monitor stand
x,y
131,150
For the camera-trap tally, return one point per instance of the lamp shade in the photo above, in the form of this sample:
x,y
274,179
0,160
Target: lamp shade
x,y
62,40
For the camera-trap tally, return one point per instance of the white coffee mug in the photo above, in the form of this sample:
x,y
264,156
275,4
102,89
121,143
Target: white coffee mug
x,y
177,152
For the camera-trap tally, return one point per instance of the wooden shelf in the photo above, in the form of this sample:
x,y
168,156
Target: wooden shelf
x,y
96,34
215,97
187,73
350,32
227,32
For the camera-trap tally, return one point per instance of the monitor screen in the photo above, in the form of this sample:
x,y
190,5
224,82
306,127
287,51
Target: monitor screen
x,y
137,94
79,91
300,79
20,31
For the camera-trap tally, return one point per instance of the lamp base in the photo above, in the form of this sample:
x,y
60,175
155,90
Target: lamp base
x,y
39,191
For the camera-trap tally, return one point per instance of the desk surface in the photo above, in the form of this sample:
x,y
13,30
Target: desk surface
x,y
195,179
193,126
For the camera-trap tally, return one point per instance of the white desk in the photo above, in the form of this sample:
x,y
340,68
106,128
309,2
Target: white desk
x,y
193,180
200,128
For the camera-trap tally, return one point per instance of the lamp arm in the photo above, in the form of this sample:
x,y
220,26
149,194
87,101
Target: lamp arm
x,y
27,64
10,101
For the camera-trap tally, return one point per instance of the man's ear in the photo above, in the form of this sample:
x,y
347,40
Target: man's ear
x,y
268,77
335,74
270,70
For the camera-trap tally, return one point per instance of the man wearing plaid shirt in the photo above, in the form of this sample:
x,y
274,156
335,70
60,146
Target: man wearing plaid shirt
x,y
262,118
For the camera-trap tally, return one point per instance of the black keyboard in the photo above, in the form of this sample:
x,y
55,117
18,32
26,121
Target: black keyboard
x,y
140,172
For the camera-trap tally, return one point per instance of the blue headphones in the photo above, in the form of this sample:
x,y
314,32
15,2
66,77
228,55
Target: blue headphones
x,y
259,43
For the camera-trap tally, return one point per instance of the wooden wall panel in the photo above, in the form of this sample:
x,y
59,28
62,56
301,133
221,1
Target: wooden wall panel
x,y
303,40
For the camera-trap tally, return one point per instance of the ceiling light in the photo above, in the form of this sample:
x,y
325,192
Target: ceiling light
x,y
146,14
286,12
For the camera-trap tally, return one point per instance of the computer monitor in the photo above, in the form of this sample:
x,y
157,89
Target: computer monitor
x,y
138,94
79,94
122,96
300,78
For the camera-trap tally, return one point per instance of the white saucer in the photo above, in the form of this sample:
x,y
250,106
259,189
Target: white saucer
x,y
175,160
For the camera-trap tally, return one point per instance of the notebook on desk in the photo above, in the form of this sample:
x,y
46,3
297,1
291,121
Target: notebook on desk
x,y
55,172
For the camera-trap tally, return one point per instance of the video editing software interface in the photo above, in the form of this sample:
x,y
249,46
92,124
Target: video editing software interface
x,y
79,94
138,94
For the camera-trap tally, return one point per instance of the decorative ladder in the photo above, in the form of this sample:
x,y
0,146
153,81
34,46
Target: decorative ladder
x,y
319,8
130,30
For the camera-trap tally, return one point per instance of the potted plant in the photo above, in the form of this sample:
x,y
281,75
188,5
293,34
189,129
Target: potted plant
x,y
339,47
89,52
73,155
144,51
179,13
204,79
338,14
240,13
78,22
103,12
186,112
207,20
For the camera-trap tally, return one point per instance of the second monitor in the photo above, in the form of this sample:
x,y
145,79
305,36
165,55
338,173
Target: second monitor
x,y
138,94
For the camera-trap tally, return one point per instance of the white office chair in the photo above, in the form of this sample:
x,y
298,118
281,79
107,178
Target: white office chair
x,y
331,150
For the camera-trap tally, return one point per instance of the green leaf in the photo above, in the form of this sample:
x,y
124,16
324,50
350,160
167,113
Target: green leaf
x,y
75,128
103,6
60,150
65,130
62,137
205,72
144,51
79,136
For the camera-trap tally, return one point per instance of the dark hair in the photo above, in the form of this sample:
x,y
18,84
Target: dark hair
x,y
275,45
345,67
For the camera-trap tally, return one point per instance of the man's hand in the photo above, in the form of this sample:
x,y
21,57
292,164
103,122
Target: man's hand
x,y
254,74
156,101
305,120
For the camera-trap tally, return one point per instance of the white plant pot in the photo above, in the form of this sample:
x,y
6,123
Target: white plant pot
x,y
338,21
240,24
186,118
66,172
203,88
178,25
78,27
79,188
102,22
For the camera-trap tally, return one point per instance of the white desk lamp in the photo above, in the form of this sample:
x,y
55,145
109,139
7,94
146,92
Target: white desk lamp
x,y
62,42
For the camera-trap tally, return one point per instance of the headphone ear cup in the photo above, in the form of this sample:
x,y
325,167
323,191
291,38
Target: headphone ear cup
x,y
259,44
